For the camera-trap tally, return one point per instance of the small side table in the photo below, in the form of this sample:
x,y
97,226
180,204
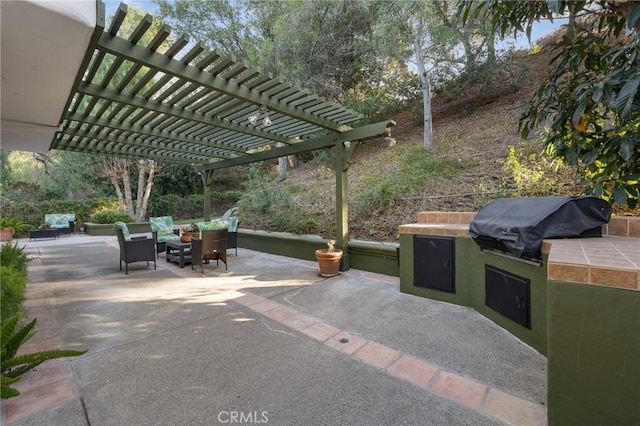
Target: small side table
x,y
179,252
43,233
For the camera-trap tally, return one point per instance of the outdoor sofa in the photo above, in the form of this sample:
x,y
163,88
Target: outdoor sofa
x,y
63,222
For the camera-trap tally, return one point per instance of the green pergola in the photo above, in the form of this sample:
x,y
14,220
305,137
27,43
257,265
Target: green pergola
x,y
185,105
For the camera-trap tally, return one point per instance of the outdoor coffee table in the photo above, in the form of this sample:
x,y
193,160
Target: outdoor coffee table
x,y
43,233
179,252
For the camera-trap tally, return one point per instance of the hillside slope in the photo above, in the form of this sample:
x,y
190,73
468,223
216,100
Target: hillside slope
x,y
472,135
473,132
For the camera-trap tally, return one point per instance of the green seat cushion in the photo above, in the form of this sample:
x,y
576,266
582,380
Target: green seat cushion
x,y
163,236
124,228
161,224
59,220
213,225
233,223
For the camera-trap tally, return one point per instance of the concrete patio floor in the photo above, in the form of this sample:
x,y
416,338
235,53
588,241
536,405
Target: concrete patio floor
x,y
267,341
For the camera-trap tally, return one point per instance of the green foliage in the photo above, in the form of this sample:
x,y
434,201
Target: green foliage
x,y
13,279
270,207
13,366
380,194
111,216
532,173
13,256
13,290
165,205
594,114
32,212
590,104
11,222
506,75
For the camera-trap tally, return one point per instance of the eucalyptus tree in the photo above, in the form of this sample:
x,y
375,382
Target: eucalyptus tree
x,y
588,109
429,34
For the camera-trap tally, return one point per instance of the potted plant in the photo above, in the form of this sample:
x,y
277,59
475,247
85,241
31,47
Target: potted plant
x,y
189,232
9,226
329,259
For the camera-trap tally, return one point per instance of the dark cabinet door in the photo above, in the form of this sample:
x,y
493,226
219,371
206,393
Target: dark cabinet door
x,y
434,262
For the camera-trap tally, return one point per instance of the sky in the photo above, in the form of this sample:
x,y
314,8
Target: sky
x,y
540,29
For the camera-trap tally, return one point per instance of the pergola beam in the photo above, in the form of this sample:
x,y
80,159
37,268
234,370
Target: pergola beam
x,y
370,131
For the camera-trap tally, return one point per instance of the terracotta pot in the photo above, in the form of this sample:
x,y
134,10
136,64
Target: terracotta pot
x,y
6,234
329,262
185,238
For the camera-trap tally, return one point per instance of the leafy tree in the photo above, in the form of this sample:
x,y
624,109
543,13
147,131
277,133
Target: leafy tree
x,y
119,171
220,24
590,103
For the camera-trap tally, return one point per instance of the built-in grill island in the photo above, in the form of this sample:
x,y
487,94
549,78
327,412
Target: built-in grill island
x,y
560,274
517,226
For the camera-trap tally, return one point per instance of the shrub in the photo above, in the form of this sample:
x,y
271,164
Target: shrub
x,y
13,279
11,222
110,216
14,366
13,291
13,256
534,174
165,205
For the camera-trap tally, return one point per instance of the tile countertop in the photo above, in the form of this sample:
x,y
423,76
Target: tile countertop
x,y
609,261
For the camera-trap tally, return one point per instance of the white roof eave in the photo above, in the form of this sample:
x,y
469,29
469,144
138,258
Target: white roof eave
x,y
42,47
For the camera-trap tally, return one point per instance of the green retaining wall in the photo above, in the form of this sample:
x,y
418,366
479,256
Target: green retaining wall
x,y
99,229
381,258
363,255
593,355
470,264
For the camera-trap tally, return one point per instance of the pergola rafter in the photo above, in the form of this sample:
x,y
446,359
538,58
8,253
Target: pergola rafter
x,y
186,105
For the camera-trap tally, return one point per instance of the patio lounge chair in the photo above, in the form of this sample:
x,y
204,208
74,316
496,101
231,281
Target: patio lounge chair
x,y
63,222
162,231
134,249
212,245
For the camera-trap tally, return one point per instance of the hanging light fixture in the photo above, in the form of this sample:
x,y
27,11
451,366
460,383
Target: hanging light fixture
x,y
262,112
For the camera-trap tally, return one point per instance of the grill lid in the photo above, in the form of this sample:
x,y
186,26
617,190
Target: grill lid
x,y
518,225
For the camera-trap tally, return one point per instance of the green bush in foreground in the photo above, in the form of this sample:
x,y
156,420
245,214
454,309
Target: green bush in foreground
x,y
13,279
13,291
12,367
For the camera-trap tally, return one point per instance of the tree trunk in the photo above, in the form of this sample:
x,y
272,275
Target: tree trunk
x,y
116,185
426,96
491,48
128,196
142,213
142,172
283,165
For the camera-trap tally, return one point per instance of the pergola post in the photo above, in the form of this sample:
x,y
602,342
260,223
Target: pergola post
x,y
207,179
343,152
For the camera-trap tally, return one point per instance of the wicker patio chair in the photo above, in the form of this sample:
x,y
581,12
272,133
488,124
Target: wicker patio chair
x,y
137,249
162,231
212,245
